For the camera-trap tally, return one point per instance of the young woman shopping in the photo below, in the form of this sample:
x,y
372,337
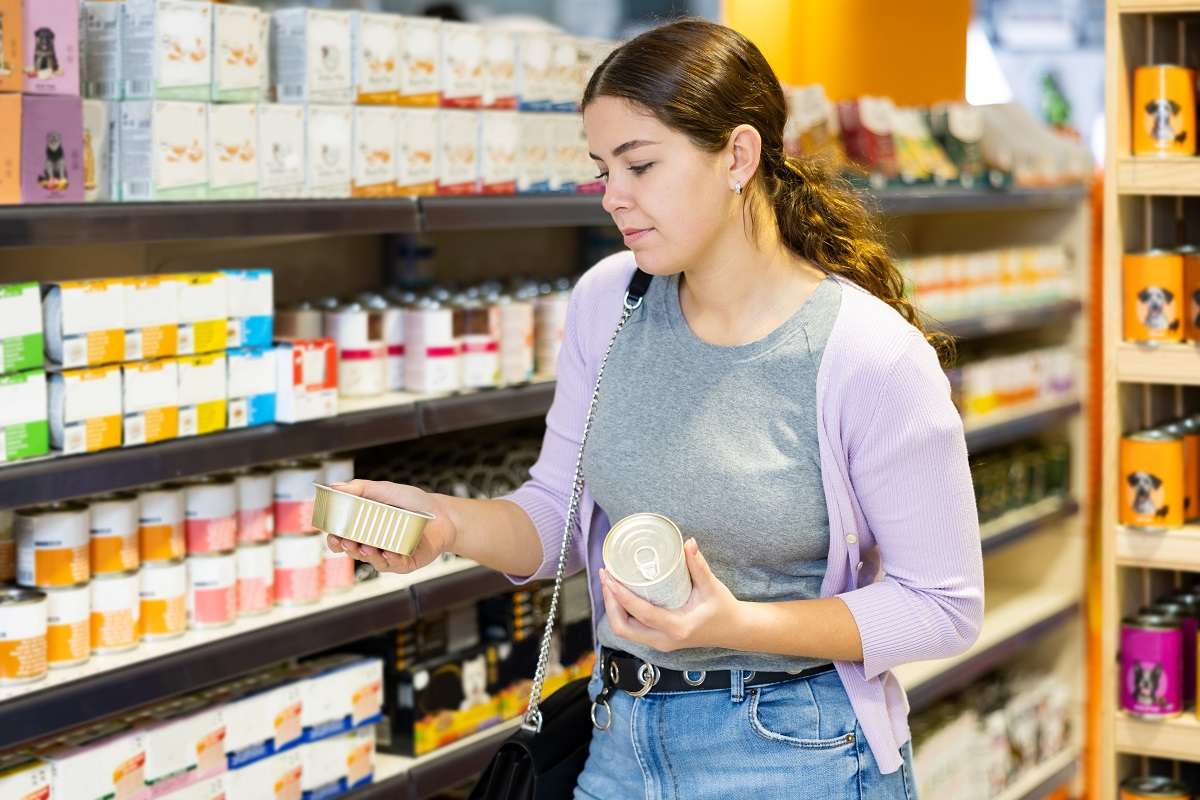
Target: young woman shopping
x,y
777,398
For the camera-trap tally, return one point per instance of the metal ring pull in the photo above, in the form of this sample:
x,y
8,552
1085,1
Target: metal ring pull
x,y
687,677
648,674
632,305
599,703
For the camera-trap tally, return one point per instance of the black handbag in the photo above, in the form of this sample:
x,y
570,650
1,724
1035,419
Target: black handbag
x,y
543,759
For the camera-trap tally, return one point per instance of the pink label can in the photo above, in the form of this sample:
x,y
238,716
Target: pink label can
x,y
298,569
255,578
212,590
210,517
294,497
256,506
337,570
1152,667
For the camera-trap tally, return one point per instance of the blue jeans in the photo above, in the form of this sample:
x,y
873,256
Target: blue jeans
x,y
796,740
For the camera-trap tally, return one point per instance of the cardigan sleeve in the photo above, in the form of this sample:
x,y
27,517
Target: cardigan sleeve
x,y
908,467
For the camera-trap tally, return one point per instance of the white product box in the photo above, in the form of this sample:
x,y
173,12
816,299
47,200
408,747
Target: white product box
x,y
564,74
184,745
416,152
151,401
311,56
499,68
462,65
23,421
375,140
233,151
420,61
251,306
324,767
328,162
151,317
535,57
253,378
263,720
163,150
85,409
108,765
240,64
99,129
21,340
307,385
340,694
213,788
25,777
203,312
100,49
167,49
84,322
564,135
359,756
458,151
533,166
280,150
202,394
276,777
375,44
499,149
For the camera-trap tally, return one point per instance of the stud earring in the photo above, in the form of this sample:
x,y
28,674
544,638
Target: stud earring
x,y
737,187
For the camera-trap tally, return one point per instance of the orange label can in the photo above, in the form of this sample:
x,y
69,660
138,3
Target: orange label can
x,y
1191,293
52,546
160,524
1152,478
22,635
116,613
68,626
163,595
114,534
1153,287
1164,111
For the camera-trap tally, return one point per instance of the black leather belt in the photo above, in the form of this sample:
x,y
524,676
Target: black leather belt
x,y
638,678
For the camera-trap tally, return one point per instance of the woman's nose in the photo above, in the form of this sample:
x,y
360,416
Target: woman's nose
x,y
614,199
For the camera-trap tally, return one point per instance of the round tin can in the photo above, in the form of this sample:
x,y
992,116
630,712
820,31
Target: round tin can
x,y
163,594
212,590
52,545
516,339
210,514
337,570
1164,111
1190,437
1152,475
160,523
8,547
255,578
256,506
1185,616
116,613
114,534
645,553
68,625
550,314
1190,307
300,321
22,635
338,469
1152,283
431,355
294,497
362,354
392,320
477,331
1153,787
1151,667
298,569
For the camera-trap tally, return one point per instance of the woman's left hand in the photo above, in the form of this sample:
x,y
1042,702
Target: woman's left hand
x,y
705,620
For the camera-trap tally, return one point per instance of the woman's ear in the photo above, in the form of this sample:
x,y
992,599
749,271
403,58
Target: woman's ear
x,y
745,153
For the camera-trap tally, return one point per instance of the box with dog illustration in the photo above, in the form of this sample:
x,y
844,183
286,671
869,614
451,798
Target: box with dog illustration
x,y
46,60
163,150
167,49
44,164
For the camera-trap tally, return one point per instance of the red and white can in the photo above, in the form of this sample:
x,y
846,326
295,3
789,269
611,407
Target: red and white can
x,y
256,506
210,513
163,594
114,534
160,523
212,590
294,497
298,569
550,313
116,613
431,355
68,625
338,470
337,570
476,326
362,355
392,322
516,339
255,578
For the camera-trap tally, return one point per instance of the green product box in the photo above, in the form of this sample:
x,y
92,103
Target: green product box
x,y
24,428
20,327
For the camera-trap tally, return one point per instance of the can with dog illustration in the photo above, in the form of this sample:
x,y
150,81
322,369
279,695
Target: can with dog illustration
x,y
255,578
298,569
1185,615
1151,478
645,553
212,590
1164,111
1191,464
1190,306
1153,787
68,625
1153,286
116,612
163,594
1151,666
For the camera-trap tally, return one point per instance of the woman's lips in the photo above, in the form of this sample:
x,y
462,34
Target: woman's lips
x,y
633,234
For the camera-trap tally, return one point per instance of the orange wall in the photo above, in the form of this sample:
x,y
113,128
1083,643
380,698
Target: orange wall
x,y
913,51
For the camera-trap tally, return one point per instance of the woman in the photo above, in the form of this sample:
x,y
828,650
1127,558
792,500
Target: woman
x,y
774,395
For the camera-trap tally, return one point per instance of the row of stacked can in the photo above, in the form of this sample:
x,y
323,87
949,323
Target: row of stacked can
x,y
100,576
1161,296
1159,473
1158,650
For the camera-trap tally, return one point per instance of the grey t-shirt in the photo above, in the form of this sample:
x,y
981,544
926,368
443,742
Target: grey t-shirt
x,y
722,440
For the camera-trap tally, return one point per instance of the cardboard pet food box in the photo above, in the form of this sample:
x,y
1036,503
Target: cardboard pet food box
x,y
462,65
458,151
203,312
416,151
21,338
499,68
99,137
233,151
375,43
163,150
44,162
84,322
311,56
151,317
39,47
85,409
307,379
167,49
251,308
375,140
24,428
251,386
420,61
329,162
202,394
500,147
281,153
100,48
12,45
240,63
151,401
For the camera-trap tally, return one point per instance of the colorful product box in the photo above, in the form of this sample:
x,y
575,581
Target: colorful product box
x,y
202,394
167,49
307,383
374,152
151,317
43,163
185,746
203,312
499,68
565,92
563,165
499,149
163,150
262,719
100,765
24,428
328,162
25,778
239,62
438,702
281,154
416,151
462,46
213,788
533,170
458,152
251,307
420,61
40,47
311,56
340,693
84,322
233,151
252,381
86,409
587,178
337,765
21,339
535,57
100,46
375,44
99,136
12,45
151,401
274,778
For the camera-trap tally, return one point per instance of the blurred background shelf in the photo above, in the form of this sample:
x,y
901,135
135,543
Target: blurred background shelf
x,y
1165,364
1177,738
1020,422
1020,319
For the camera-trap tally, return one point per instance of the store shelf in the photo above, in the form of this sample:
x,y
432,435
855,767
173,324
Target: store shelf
x,y
1016,525
1041,781
1013,621
1179,175
1021,319
1168,363
902,202
1173,549
1177,738
1006,427
1152,6
478,213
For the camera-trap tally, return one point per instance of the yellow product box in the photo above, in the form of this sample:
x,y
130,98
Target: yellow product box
x,y
151,317
151,401
202,394
375,65
84,322
374,159
203,312
85,409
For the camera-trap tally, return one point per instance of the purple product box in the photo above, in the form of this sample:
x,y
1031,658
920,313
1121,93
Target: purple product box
x,y
51,149
51,30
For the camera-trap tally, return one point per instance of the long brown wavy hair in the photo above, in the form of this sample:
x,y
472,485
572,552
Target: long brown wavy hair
x,y
704,80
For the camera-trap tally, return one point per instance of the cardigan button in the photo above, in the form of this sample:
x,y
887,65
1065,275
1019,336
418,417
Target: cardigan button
x,y
860,566
852,538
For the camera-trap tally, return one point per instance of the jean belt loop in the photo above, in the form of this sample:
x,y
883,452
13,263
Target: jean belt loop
x,y
737,685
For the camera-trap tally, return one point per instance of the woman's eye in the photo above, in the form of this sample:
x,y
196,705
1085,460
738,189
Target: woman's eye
x,y
603,176
638,169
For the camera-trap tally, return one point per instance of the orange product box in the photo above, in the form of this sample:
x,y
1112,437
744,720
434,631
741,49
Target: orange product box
x,y
151,401
85,322
85,409
151,317
12,52
374,152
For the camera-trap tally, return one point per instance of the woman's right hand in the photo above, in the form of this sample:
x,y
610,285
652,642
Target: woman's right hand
x,y
438,536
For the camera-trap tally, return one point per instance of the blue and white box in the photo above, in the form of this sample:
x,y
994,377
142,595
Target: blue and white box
x,y
251,307
263,721
252,378
338,764
340,694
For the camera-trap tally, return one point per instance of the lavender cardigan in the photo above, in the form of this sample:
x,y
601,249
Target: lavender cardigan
x,y
904,547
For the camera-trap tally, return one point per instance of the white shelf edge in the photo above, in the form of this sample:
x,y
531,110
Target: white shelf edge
x,y
1034,778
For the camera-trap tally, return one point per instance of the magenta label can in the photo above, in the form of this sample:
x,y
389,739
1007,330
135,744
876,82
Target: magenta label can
x,y
1152,666
1185,616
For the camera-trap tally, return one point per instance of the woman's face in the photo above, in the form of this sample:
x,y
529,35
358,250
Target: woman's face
x,y
669,198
